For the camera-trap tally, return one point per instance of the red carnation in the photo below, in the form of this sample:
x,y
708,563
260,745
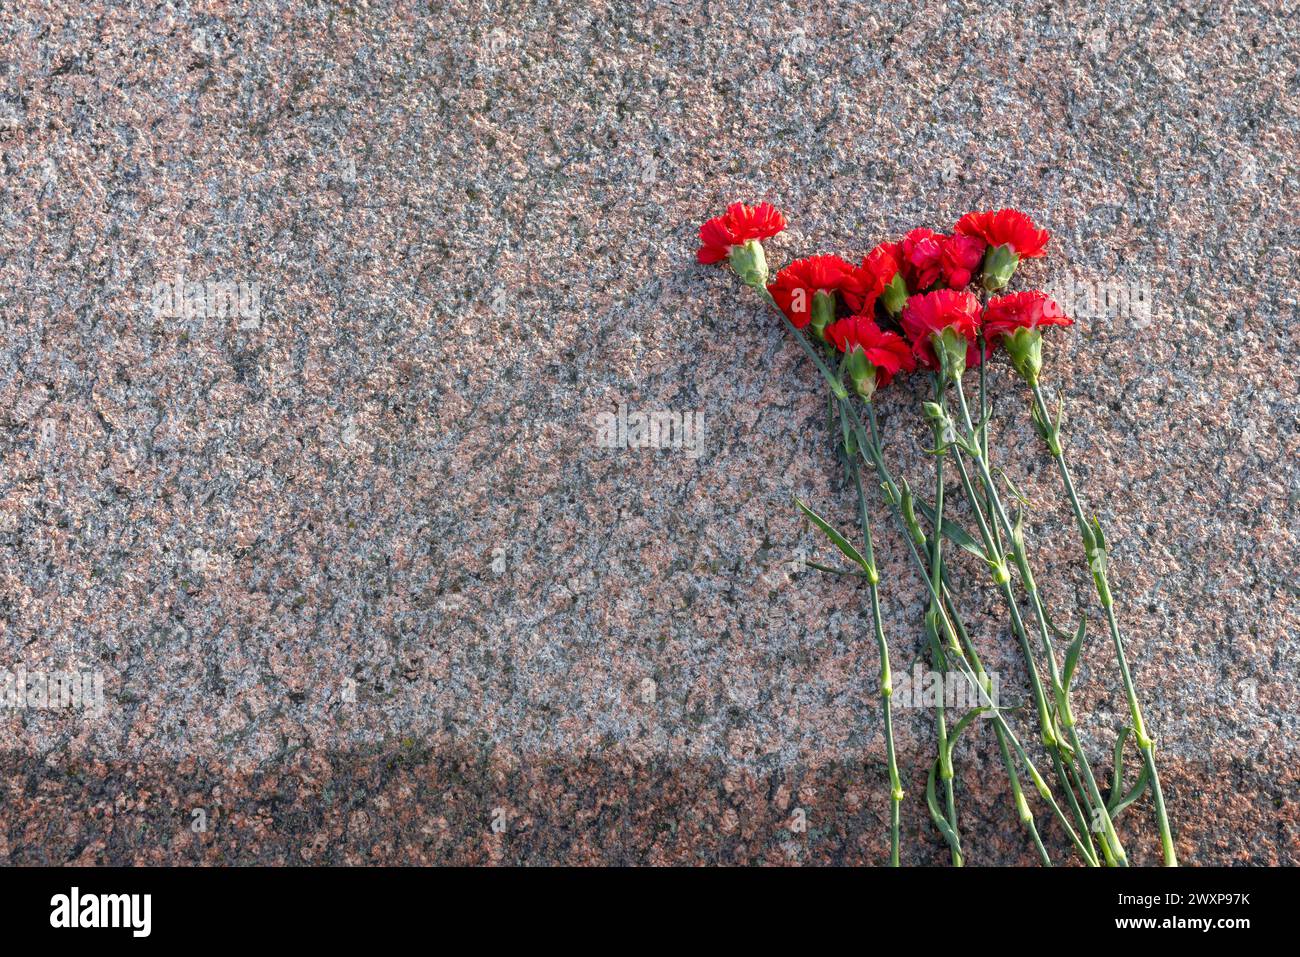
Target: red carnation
x,y
797,285
1011,236
1015,321
1021,310
738,225
960,259
888,352
881,275
1006,227
870,280
921,251
932,313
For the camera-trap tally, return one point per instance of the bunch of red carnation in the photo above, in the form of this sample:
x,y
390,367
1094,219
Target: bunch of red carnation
x,y
940,304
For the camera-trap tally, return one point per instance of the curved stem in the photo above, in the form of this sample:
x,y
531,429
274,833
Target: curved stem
x,y
1145,744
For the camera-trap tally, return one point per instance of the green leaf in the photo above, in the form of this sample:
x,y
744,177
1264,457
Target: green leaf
x,y
961,726
1056,630
838,540
1018,528
951,530
1089,539
850,443
1015,492
1117,773
1072,654
1043,427
1134,793
1101,538
932,799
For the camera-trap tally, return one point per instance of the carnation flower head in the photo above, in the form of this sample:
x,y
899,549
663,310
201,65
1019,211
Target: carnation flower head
x,y
1022,310
929,315
738,225
1006,227
1016,322
1011,237
887,353
877,278
737,236
921,252
960,259
809,285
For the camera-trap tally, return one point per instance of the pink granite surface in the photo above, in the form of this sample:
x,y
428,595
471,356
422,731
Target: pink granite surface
x,y
356,574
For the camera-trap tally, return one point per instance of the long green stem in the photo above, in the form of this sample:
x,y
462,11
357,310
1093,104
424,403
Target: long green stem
x,y
1050,736
932,634
1064,714
871,452
1023,812
996,556
886,677
984,421
1145,744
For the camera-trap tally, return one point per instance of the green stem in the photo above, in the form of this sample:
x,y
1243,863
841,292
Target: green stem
x,y
886,677
984,424
1023,812
1031,588
1022,806
1145,744
871,452
1050,736
932,633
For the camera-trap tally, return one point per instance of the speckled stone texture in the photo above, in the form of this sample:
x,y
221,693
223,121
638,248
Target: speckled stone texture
x,y
361,581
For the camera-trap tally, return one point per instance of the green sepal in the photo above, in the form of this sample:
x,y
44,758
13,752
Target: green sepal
x,y
999,266
750,263
1025,350
950,347
861,373
822,313
894,295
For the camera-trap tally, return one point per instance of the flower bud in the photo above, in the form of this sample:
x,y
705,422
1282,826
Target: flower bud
x,y
1025,350
999,265
750,263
